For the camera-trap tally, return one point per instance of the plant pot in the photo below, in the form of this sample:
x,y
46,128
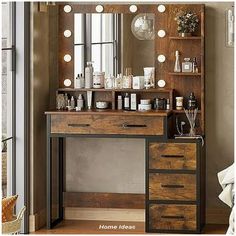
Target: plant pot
x,y
185,34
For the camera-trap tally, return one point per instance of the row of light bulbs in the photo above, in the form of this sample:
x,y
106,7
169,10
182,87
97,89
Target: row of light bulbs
x,y
99,9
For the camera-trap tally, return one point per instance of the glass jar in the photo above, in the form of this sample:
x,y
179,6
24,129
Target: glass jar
x,y
98,79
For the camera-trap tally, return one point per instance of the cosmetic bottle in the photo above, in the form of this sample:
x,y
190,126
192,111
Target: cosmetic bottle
x,y
65,100
187,65
192,101
109,82
195,68
98,79
126,101
177,64
79,81
80,103
168,104
133,101
127,79
89,75
119,102
89,99
72,103
179,103
118,82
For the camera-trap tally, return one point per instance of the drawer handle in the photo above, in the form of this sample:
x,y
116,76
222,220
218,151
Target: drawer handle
x,y
172,217
172,186
172,156
79,125
133,126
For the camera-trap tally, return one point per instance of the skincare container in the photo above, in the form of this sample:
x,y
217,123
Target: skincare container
x,y
142,107
160,103
109,81
118,82
89,99
119,102
80,103
72,103
98,80
177,64
127,79
89,75
133,101
79,81
138,82
126,101
195,68
145,101
192,101
179,103
187,65
168,104
102,104
66,100
149,77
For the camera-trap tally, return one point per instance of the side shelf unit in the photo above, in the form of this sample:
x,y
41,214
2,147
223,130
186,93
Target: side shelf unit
x,y
175,186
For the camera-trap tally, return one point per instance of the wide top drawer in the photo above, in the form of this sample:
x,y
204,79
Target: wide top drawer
x,y
111,124
172,156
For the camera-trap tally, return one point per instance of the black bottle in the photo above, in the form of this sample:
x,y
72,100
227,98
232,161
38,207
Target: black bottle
x,y
192,102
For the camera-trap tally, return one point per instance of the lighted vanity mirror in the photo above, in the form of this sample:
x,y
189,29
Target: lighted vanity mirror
x,y
109,42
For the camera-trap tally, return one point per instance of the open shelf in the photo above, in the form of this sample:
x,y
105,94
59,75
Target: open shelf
x,y
184,74
153,90
185,38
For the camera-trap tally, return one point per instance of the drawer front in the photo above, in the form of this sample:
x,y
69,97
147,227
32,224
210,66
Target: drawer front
x,y
172,217
172,156
172,186
101,124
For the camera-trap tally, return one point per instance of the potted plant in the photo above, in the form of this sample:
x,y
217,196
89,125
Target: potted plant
x,y
187,23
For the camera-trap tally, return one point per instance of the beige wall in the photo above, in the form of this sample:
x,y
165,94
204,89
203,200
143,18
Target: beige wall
x,y
103,165
219,101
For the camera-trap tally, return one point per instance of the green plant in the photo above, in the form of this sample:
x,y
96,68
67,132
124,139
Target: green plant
x,y
187,22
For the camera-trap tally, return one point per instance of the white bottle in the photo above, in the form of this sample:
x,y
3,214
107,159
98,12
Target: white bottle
x,y
119,102
80,103
89,75
177,64
72,103
133,101
79,82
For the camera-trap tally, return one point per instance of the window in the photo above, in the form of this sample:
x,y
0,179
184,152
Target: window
x,y
95,39
8,110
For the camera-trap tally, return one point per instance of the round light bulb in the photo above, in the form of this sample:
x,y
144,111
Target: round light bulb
x,y
161,83
67,82
67,58
99,8
161,8
161,58
67,33
67,8
161,33
133,8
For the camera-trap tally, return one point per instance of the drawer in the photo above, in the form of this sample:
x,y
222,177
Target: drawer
x,y
172,156
172,217
172,186
111,124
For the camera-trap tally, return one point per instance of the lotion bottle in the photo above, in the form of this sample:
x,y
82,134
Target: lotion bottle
x,y
89,75
126,101
80,103
72,103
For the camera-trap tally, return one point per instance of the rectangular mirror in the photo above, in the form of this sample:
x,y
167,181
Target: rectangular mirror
x,y
114,42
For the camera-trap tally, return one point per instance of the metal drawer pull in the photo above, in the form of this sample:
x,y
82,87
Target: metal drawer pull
x,y
172,156
133,126
78,125
172,217
172,186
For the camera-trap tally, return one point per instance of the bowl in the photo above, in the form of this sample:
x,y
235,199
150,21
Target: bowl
x,y
102,104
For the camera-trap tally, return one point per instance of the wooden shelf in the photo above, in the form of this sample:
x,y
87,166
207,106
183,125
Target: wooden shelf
x,y
182,111
184,74
154,90
185,38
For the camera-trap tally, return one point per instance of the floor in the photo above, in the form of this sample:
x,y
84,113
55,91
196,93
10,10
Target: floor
x,y
98,227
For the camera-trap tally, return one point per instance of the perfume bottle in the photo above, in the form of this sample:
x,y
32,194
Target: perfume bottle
x,y
195,68
127,79
187,65
192,101
177,63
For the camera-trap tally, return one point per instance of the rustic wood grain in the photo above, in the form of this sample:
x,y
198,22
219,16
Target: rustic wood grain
x,y
104,200
159,217
172,156
100,124
172,186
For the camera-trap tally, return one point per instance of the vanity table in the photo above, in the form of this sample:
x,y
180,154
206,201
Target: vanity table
x,y
175,168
